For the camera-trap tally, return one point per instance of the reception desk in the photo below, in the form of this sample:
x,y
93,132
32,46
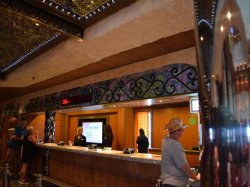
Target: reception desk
x,y
191,155
80,166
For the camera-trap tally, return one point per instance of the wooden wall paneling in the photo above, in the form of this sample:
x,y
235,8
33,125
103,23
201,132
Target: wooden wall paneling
x,y
38,122
65,131
160,118
58,130
72,127
37,161
193,159
135,130
190,137
113,123
60,120
4,137
94,171
129,127
120,129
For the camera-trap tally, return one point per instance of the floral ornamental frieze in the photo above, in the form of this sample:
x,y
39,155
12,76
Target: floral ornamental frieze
x,y
169,80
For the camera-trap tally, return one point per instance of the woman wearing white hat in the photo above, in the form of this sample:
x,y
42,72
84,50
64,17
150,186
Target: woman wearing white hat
x,y
175,170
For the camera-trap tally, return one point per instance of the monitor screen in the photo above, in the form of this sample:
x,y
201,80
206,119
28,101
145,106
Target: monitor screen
x,y
194,105
93,130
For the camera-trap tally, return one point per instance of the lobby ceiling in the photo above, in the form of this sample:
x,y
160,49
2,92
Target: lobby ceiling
x,y
121,33
29,28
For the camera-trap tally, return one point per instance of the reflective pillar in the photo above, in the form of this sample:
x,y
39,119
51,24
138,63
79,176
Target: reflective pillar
x,y
223,38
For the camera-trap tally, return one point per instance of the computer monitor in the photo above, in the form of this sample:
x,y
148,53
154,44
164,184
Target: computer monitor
x,y
194,105
93,130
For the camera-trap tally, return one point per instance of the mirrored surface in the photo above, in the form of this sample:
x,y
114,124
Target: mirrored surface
x,y
231,114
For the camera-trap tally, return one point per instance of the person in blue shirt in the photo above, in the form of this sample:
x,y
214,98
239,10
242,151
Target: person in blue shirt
x,y
14,147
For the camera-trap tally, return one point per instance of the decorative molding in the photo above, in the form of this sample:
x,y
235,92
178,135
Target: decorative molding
x,y
168,80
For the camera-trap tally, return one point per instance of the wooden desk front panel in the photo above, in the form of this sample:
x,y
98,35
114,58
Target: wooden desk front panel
x,y
94,171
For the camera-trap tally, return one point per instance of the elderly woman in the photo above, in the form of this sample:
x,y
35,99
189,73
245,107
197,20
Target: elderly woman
x,y
175,170
80,140
29,140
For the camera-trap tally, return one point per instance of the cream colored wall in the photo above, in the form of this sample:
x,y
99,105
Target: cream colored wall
x,y
187,56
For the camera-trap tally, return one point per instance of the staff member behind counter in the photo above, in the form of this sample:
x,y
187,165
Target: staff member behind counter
x,y
175,170
80,140
108,139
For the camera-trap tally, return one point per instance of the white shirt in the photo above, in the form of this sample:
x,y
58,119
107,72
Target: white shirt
x,y
173,158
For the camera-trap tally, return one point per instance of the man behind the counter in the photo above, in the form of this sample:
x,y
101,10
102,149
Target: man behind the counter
x,y
14,147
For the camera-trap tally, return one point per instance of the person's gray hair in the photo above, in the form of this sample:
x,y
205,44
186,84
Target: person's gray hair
x,y
29,129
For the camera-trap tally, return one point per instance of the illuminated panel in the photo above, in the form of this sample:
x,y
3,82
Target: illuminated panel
x,y
76,100
194,105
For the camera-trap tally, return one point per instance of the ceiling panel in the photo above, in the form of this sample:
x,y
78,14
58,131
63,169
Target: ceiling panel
x,y
21,37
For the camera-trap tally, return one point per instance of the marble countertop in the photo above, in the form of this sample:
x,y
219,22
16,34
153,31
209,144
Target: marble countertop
x,y
136,157
186,151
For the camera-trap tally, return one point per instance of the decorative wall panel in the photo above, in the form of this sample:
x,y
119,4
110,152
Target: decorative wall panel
x,y
165,81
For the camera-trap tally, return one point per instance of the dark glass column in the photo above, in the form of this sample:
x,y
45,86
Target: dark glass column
x,y
223,37
49,137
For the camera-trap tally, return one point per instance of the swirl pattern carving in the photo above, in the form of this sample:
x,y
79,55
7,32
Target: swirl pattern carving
x,y
165,81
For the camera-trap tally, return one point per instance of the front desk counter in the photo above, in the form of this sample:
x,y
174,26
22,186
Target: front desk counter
x,y
83,167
